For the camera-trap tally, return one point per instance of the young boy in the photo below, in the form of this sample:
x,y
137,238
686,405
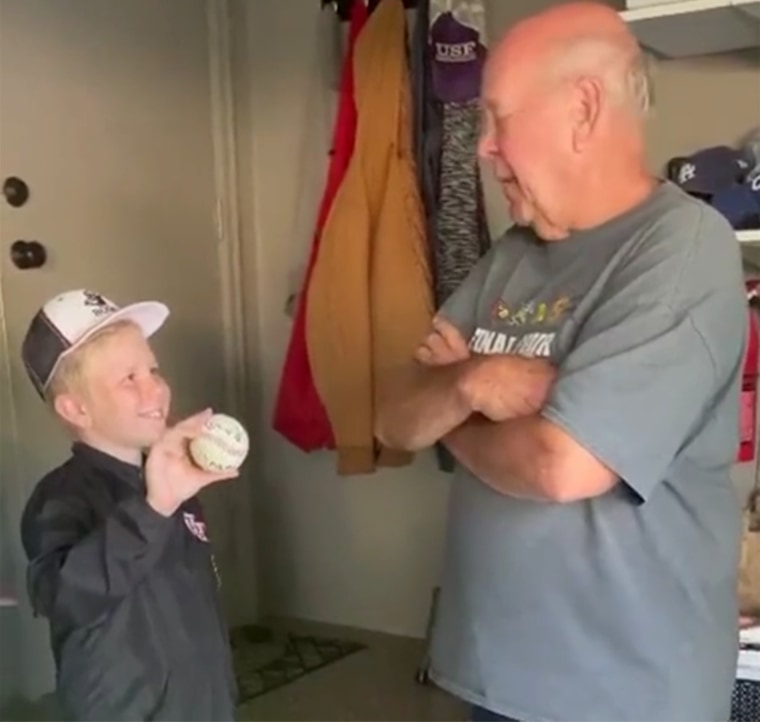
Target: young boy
x,y
119,561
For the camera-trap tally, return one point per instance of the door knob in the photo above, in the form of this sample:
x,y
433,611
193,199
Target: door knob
x,y
28,254
16,191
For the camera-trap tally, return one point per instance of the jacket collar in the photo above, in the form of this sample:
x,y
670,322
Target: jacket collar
x,y
95,458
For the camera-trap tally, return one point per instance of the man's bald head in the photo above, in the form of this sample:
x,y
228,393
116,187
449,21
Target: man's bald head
x,y
564,91
563,22
572,39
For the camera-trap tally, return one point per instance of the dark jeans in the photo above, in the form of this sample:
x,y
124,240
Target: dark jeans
x,y
480,714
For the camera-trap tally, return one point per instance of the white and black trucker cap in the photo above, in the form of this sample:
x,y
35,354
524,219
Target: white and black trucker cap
x,y
65,322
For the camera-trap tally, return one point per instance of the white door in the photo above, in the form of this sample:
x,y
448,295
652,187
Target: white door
x,y
106,115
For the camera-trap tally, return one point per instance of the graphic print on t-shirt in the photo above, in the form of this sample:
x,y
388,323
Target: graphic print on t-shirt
x,y
528,328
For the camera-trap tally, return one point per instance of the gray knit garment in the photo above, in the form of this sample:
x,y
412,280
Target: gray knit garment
x,y
461,229
461,236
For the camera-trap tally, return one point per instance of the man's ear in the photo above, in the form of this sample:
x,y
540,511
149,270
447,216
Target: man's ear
x,y
71,410
587,107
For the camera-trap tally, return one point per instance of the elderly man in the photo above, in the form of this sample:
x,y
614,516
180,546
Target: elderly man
x,y
586,378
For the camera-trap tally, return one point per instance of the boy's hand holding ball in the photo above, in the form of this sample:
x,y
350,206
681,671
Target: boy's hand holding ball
x,y
199,451
221,446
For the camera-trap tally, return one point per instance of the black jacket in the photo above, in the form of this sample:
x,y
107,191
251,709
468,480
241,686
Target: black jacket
x,y
132,597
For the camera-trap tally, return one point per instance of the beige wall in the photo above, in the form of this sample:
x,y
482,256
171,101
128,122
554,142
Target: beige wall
x,y
366,551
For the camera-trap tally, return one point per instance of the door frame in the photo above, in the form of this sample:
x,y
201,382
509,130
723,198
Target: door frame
x,y
230,98
224,140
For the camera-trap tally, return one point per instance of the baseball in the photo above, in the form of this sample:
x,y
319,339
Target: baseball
x,y
222,446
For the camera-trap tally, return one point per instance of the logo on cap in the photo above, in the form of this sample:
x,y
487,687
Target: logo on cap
x,y
686,173
97,304
456,52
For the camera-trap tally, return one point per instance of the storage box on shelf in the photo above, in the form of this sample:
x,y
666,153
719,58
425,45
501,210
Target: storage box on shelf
x,y
749,7
685,28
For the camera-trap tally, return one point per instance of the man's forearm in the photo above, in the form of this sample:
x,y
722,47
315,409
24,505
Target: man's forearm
x,y
514,457
422,406
529,457
429,402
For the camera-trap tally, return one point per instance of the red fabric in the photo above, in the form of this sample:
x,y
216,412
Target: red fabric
x,y
748,398
299,414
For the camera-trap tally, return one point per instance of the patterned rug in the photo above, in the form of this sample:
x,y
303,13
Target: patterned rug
x,y
266,659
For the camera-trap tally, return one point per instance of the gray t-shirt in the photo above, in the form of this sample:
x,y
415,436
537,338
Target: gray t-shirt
x,y
621,607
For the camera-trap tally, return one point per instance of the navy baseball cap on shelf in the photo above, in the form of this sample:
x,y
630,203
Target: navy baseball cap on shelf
x,y
751,148
740,203
710,170
65,322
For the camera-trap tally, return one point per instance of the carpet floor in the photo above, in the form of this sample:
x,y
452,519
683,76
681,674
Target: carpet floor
x,y
266,658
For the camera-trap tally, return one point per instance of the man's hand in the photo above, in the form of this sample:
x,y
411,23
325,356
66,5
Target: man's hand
x,y
170,475
502,387
444,345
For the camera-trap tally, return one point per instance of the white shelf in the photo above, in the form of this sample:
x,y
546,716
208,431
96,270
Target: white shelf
x,y
748,236
685,28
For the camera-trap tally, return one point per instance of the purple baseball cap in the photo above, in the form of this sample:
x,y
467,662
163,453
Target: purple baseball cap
x,y
458,57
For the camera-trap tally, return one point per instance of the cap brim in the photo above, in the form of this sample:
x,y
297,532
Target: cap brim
x,y
148,316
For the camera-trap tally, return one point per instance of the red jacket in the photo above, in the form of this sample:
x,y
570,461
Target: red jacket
x,y
299,414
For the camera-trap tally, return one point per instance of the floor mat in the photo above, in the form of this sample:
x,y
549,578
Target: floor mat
x,y
266,659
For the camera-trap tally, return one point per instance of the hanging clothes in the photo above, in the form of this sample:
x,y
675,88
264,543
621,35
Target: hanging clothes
x,y
427,117
299,414
457,44
461,237
461,226
370,296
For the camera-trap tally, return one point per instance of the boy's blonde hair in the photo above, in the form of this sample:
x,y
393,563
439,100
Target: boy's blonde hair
x,y
68,375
